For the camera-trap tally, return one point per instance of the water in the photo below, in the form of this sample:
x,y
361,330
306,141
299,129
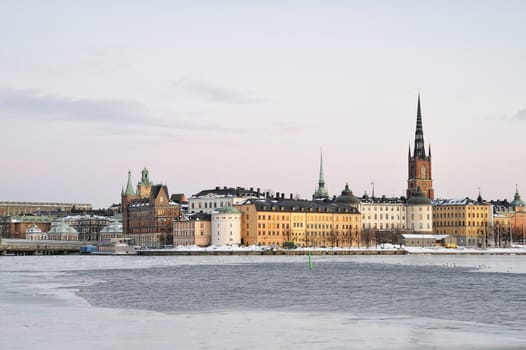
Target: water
x,y
420,291
211,302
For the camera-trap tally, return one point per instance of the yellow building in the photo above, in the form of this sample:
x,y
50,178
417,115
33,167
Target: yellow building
x,y
192,229
303,223
467,220
502,228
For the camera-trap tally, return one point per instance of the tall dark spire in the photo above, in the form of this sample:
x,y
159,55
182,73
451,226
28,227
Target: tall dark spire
x,y
419,149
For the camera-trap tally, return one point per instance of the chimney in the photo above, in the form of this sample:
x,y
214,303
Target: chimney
x,y
266,194
251,189
259,190
283,196
224,187
217,188
277,195
291,196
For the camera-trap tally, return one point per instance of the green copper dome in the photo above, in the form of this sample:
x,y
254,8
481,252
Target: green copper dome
x,y
61,227
517,201
114,227
347,197
228,210
418,198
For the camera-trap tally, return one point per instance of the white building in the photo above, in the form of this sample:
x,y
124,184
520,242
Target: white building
x,y
35,233
387,214
207,201
419,213
226,226
390,214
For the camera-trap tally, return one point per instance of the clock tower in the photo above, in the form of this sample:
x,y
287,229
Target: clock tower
x,y
419,163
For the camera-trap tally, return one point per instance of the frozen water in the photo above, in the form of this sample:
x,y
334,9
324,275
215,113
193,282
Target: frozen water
x,y
232,302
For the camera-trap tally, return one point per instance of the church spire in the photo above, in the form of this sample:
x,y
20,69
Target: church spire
x,y
321,192
322,177
419,162
129,186
419,149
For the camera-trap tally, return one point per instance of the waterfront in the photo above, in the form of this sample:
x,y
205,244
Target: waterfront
x,y
264,302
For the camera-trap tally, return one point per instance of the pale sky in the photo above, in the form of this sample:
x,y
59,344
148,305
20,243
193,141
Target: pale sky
x,y
245,93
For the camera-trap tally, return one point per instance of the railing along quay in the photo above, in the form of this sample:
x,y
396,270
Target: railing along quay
x,y
39,247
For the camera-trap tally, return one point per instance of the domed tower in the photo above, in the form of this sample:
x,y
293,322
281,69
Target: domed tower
x,y
517,202
347,197
419,212
419,163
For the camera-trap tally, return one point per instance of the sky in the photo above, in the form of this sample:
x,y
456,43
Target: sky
x,y
247,93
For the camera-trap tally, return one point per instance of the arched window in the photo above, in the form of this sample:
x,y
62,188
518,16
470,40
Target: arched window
x,y
423,172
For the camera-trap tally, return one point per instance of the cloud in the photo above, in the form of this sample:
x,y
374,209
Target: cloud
x,y
110,116
211,92
39,106
520,115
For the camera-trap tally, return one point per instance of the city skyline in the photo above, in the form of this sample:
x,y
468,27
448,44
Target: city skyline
x,y
231,94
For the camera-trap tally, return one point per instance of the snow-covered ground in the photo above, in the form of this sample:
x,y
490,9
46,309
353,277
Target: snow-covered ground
x,y
517,249
38,312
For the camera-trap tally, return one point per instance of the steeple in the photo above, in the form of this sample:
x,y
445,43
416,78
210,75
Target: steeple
x,y
419,150
479,197
322,177
419,163
321,192
129,186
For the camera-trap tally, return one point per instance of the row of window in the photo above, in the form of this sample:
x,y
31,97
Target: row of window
x,y
461,223
387,226
459,215
376,208
327,218
208,205
382,217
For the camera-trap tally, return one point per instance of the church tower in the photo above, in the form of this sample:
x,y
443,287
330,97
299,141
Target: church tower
x,y
321,191
145,185
419,162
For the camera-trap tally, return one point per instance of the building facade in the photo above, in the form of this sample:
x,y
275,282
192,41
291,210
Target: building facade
x,y
469,221
192,229
25,208
208,201
88,226
226,226
16,226
275,221
148,213
509,221
383,214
